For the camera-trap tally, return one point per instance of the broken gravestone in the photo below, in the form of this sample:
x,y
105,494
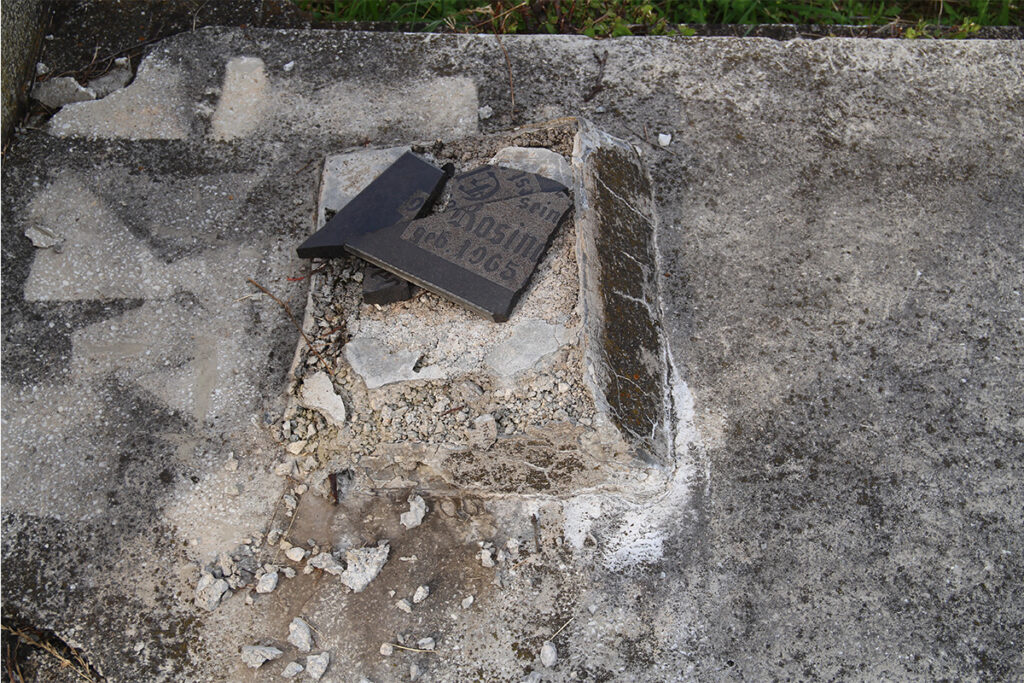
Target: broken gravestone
x,y
481,251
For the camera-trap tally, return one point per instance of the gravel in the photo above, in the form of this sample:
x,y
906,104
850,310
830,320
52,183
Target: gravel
x,y
267,582
256,655
421,594
316,665
300,635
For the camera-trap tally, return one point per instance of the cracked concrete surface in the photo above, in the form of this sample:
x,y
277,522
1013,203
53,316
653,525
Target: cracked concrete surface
x,y
840,236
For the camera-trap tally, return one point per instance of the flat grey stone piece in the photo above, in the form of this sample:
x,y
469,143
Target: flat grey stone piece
x,y
210,591
300,635
257,655
530,340
54,93
363,565
378,366
326,562
316,665
317,393
539,160
291,670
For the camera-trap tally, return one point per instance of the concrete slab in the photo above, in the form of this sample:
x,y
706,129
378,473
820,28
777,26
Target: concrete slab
x,y
839,246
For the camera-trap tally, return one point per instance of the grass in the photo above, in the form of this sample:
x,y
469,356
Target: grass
x,y
600,18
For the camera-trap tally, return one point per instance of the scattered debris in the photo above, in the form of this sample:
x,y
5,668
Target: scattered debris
x,y
484,432
486,557
421,594
256,655
299,635
425,643
404,606
318,394
417,509
467,602
326,562
363,565
664,139
371,360
54,93
210,591
548,654
43,237
295,553
267,583
386,649
316,665
485,112
292,670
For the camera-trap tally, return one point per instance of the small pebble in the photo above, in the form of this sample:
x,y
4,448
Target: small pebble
x,y
256,655
425,643
300,635
664,139
387,649
467,602
289,66
292,670
295,554
267,583
404,606
548,654
316,665
421,594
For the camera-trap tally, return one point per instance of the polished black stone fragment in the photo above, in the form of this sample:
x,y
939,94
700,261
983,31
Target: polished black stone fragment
x,y
381,287
405,190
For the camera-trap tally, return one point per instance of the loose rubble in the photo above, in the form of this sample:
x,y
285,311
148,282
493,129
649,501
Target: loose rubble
x,y
387,649
316,665
318,394
421,594
417,510
326,562
300,635
295,553
210,591
548,654
363,566
292,670
256,655
267,583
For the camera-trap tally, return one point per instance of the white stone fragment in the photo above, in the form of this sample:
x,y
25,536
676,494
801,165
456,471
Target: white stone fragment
x,y
548,654
421,594
210,591
485,112
484,432
363,565
537,160
378,366
404,606
256,655
43,237
467,602
326,562
292,670
289,66
486,557
425,643
295,447
300,635
316,665
417,510
664,139
267,583
54,93
317,393
295,553
387,649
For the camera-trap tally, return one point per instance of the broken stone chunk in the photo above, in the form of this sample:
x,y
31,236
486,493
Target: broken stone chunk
x,y
467,602
256,655
210,591
548,654
292,670
425,643
484,432
54,93
387,649
486,557
300,635
363,566
404,606
267,583
421,594
318,394
43,237
381,287
326,562
417,510
316,665
377,366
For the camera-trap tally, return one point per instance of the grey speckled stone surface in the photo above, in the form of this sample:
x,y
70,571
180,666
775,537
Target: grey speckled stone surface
x,y
840,244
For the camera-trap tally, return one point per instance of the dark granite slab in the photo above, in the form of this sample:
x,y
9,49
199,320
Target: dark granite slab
x,y
405,190
480,255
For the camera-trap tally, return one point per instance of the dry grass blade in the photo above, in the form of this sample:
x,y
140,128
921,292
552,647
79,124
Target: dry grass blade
x,y
79,667
295,322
